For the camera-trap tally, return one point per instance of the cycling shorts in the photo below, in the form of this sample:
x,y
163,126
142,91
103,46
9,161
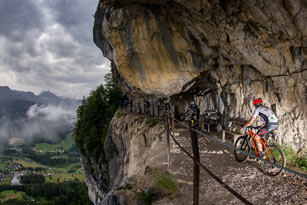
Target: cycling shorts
x,y
266,130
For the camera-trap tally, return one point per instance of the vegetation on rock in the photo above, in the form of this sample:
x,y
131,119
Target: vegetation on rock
x,y
94,116
167,184
294,160
146,198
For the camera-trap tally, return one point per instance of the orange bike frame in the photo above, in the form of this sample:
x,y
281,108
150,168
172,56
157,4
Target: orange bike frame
x,y
253,135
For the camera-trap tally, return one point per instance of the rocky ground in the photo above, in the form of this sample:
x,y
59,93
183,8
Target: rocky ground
x,y
245,178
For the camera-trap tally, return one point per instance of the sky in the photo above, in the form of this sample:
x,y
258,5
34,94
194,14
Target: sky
x,y
48,45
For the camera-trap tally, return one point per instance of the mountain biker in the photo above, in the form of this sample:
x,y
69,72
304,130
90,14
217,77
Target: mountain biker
x,y
146,106
269,119
124,102
193,110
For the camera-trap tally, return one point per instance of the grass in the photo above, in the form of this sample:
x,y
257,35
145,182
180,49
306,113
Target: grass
x,y
145,198
3,165
28,164
277,155
10,194
7,181
43,200
45,147
293,160
119,114
151,122
167,184
4,193
68,142
58,178
61,156
65,168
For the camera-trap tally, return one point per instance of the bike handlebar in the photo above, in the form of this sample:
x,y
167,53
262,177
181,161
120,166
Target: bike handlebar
x,y
252,127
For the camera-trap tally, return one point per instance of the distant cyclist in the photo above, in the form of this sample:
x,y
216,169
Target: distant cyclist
x,y
194,112
146,107
269,119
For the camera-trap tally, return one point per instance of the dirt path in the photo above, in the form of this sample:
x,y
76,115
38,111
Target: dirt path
x,y
245,178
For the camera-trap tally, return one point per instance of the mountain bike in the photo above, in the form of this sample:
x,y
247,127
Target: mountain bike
x,y
271,152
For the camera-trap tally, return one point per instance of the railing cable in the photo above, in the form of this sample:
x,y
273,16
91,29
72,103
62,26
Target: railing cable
x,y
249,154
233,192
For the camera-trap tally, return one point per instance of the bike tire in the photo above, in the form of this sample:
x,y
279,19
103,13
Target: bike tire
x,y
275,155
242,144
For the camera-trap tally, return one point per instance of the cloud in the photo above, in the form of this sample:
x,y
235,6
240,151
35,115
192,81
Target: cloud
x,y
18,16
43,122
51,113
47,45
68,14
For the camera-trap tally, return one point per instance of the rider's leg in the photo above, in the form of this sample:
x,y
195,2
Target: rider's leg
x,y
259,145
260,134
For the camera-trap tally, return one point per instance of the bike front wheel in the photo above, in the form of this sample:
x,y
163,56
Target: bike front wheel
x,y
241,146
276,156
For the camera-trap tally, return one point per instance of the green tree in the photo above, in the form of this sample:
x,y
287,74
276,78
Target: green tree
x,y
94,116
32,179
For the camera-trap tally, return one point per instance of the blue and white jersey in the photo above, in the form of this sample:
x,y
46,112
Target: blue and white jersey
x,y
266,115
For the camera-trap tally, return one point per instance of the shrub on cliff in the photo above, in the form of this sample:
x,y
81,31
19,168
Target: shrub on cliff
x,y
167,184
94,116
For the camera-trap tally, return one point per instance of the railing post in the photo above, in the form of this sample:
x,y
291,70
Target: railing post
x,y
173,121
195,148
167,140
153,108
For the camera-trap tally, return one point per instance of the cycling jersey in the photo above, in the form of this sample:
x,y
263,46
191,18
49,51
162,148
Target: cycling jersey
x,y
195,112
266,115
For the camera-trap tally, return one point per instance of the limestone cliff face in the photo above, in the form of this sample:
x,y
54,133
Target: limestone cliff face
x,y
133,143
225,52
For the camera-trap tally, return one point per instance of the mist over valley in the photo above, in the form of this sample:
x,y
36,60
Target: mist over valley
x,y
34,118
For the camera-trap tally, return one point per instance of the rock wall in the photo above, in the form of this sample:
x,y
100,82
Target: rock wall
x,y
133,143
230,52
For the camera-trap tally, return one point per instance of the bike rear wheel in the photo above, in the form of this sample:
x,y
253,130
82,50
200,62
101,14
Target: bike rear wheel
x,y
276,156
243,145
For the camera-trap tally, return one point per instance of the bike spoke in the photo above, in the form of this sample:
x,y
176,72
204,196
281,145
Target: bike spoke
x,y
243,145
274,155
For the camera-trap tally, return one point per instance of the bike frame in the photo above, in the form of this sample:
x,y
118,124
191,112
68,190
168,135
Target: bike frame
x,y
253,136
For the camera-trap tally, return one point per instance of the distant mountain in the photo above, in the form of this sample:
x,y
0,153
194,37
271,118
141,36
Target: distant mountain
x,y
45,97
15,104
6,94
35,118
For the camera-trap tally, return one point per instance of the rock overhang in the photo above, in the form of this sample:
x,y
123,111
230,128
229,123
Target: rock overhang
x,y
229,51
159,47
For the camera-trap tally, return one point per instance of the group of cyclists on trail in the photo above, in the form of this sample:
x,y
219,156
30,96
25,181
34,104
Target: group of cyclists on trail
x,y
243,143
267,116
243,146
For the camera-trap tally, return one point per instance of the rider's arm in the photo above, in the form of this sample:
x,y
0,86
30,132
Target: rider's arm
x,y
186,113
255,114
249,122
